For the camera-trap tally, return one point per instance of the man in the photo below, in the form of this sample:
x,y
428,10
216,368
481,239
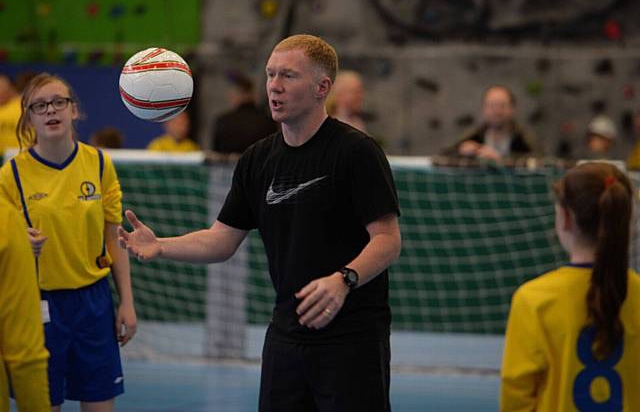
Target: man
x,y
323,198
499,136
23,357
346,99
600,137
245,124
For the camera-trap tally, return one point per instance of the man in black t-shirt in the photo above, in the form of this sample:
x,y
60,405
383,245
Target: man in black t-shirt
x,y
322,196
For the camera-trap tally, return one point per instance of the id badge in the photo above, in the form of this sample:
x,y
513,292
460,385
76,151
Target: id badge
x,y
44,311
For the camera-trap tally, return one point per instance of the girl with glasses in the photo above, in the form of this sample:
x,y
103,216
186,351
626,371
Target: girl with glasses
x,y
70,198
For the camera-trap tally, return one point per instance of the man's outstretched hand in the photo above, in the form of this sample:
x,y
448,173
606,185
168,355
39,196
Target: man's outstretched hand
x,y
141,243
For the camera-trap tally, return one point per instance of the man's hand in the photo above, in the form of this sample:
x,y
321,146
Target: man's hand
x,y
322,299
469,148
141,243
488,152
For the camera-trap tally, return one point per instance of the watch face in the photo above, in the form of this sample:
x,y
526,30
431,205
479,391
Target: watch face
x,y
350,277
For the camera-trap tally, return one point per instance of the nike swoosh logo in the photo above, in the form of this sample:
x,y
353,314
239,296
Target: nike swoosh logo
x,y
273,197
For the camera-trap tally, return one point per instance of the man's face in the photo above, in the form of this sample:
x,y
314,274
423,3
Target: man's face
x,y
599,144
293,86
351,95
497,108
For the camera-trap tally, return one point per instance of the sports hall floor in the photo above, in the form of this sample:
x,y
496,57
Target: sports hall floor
x,y
437,372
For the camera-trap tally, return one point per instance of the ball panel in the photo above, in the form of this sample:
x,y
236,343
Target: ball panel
x,y
156,84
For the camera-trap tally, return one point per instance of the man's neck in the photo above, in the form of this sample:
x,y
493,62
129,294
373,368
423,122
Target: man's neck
x,y
501,131
297,134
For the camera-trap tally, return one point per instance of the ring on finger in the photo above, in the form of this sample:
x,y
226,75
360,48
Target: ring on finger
x,y
327,312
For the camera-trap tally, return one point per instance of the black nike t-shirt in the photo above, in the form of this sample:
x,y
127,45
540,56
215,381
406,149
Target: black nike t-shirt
x,y
311,205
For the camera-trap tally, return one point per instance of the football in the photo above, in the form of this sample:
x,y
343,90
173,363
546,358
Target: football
x,y
156,84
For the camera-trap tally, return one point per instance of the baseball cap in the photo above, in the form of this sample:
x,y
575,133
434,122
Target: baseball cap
x,y
602,126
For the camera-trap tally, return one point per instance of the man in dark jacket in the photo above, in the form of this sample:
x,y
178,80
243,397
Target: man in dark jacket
x,y
245,124
499,136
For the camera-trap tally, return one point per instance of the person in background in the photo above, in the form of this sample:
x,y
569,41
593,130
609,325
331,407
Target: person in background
x,y
600,137
573,335
633,161
322,196
107,138
499,135
70,199
9,114
23,357
176,137
10,96
346,99
243,125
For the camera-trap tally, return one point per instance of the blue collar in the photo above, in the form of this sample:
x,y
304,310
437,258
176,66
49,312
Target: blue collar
x,y
52,164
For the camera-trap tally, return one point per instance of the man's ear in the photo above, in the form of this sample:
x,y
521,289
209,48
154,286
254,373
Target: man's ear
x,y
323,87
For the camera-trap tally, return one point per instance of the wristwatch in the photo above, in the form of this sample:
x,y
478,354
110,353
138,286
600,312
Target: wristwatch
x,y
350,277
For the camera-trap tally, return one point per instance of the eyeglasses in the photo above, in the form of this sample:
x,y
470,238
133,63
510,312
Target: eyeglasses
x,y
59,103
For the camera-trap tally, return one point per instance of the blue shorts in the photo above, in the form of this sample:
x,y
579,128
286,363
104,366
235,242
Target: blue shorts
x,y
85,358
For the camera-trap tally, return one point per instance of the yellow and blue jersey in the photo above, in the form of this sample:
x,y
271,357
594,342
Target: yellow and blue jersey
x,y
167,143
23,357
548,362
69,203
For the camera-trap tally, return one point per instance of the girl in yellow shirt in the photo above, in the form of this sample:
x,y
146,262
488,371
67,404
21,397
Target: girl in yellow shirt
x,y
573,335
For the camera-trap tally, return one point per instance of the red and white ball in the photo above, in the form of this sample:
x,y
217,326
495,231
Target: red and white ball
x,y
156,84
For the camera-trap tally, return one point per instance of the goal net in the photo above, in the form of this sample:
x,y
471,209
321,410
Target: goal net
x,y
470,237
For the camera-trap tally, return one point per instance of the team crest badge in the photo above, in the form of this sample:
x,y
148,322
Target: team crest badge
x,y
88,191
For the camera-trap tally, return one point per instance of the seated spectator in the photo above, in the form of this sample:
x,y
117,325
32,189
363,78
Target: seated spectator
x,y
243,125
176,137
499,135
601,137
346,99
107,138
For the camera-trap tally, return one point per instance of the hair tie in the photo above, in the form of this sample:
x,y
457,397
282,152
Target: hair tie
x,y
608,181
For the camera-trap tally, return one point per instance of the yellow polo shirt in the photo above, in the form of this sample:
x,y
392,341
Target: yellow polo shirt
x,y
548,363
167,143
69,204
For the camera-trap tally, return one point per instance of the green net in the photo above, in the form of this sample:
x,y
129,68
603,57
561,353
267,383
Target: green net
x,y
470,237
172,200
